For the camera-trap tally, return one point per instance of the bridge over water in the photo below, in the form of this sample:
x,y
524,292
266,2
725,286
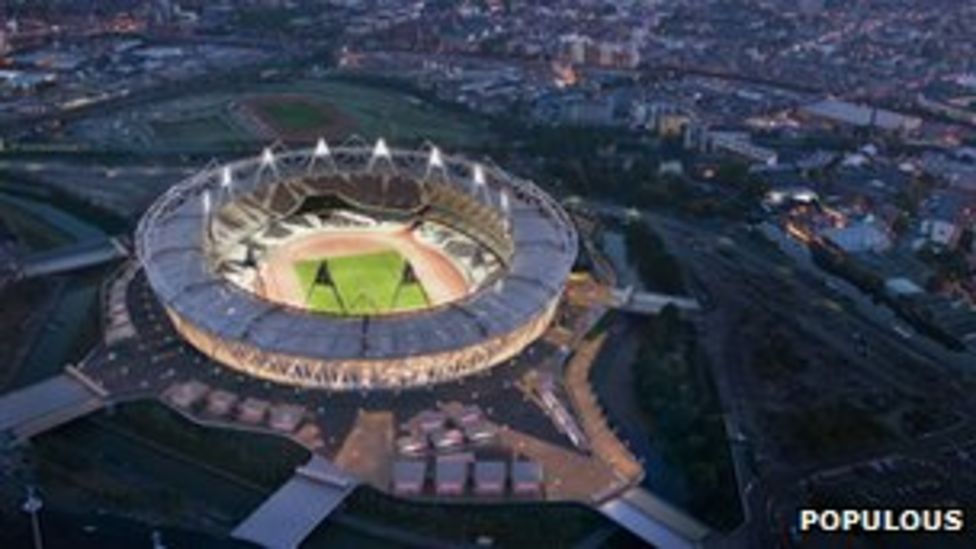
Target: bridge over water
x,y
45,405
73,257
286,518
655,521
633,301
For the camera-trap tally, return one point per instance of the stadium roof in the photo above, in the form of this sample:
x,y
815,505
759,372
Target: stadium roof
x,y
172,243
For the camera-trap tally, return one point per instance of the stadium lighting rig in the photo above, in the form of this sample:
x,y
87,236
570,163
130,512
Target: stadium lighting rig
x,y
381,152
435,163
226,178
268,162
480,182
322,149
207,214
321,153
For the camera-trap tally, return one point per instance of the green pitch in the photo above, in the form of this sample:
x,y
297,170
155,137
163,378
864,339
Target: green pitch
x,y
295,116
360,285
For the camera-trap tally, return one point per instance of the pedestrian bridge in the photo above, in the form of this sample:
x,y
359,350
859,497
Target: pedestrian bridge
x,y
655,521
649,303
37,408
290,514
73,257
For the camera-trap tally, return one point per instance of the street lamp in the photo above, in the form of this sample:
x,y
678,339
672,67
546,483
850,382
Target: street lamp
x,y
157,540
32,505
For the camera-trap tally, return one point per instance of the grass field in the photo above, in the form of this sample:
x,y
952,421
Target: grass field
x,y
399,117
362,284
297,111
204,129
295,116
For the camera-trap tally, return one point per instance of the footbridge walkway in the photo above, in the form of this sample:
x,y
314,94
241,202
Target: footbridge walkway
x,y
655,521
290,514
45,405
74,257
649,303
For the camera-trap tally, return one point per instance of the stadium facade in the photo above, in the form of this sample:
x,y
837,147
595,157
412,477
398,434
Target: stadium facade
x,y
203,242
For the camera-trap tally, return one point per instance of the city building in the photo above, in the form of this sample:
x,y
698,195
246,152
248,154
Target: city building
x,y
843,113
946,216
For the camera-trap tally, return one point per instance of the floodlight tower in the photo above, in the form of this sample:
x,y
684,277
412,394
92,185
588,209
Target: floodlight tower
x,y
226,177
207,208
435,163
322,153
227,183
505,206
268,162
479,175
480,183
381,152
322,148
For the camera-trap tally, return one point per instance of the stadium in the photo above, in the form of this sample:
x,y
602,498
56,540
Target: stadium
x,y
357,267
